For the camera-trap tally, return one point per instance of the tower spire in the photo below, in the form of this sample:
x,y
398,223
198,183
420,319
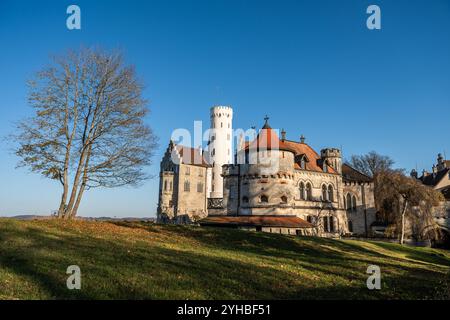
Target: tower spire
x,y
266,124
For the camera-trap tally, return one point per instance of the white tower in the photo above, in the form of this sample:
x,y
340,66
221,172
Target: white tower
x,y
220,146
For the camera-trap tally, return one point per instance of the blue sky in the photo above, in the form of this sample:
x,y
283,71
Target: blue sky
x,y
312,66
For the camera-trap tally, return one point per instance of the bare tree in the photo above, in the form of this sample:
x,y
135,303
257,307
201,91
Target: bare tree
x,y
88,126
375,165
408,197
372,163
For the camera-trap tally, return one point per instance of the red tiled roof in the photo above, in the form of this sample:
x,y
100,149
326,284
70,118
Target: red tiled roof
x,y
268,139
191,156
257,221
314,158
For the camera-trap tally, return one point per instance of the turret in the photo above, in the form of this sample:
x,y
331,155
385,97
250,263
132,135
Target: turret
x,y
332,156
220,146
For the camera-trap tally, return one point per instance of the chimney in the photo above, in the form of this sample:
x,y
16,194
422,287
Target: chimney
x,y
283,135
302,139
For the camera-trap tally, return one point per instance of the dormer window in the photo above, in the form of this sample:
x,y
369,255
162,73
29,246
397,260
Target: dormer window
x,y
303,164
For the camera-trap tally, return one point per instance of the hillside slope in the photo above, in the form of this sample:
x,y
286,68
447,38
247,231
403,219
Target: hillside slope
x,y
139,261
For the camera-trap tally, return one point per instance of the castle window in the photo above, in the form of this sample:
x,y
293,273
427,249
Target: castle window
x,y
165,185
324,193
188,171
331,221
308,192
264,199
284,199
303,164
309,219
171,186
213,152
354,203
328,224
302,191
221,124
245,199
350,226
187,186
200,187
330,193
325,167
326,227
349,202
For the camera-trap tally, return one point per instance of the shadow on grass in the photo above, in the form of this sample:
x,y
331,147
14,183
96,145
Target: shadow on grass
x,y
227,264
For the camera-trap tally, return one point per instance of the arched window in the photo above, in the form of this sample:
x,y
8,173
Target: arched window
x,y
330,193
354,203
264,199
165,185
302,191
308,192
284,199
245,199
345,203
187,186
349,202
324,193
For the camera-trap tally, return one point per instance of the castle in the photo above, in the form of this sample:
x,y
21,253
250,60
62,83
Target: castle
x,y
269,183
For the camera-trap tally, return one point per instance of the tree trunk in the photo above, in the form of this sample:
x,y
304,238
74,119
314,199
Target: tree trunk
x,y
62,205
402,236
77,202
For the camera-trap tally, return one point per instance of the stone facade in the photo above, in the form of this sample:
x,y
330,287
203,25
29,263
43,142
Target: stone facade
x,y
182,188
272,177
301,183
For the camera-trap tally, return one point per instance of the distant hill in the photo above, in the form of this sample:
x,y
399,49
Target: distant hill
x,y
29,217
37,217
136,260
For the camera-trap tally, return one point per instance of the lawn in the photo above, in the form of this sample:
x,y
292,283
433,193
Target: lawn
x,y
145,261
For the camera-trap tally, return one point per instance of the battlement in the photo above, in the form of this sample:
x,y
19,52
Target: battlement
x,y
221,108
218,111
330,153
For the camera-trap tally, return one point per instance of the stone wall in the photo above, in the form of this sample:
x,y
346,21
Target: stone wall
x,y
191,202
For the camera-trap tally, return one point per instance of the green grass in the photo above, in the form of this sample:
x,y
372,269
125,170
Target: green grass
x,y
139,261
